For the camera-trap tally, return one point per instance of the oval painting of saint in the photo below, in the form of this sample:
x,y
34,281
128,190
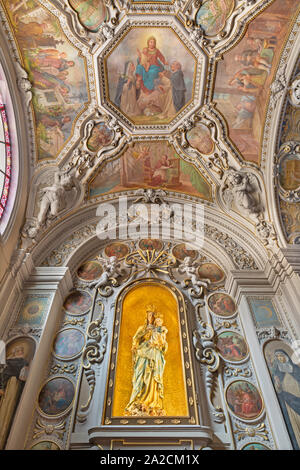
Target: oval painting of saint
x,y
101,136
182,251
243,399
150,244
56,396
232,346
213,14
255,446
91,13
45,445
212,272
78,303
90,271
222,304
68,343
199,138
120,250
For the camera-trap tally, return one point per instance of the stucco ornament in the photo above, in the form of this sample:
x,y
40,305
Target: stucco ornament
x,y
241,190
190,269
53,200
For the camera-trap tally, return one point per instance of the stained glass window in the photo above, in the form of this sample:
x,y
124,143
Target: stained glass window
x,y
5,159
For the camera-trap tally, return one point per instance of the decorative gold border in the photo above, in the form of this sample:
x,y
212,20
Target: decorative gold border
x,y
193,418
68,358
150,443
253,418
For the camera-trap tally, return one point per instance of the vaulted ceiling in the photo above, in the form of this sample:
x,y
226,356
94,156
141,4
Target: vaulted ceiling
x,y
174,95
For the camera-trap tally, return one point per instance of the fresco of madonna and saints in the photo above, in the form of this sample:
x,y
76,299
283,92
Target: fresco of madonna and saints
x,y
56,71
150,75
149,165
213,14
91,13
244,76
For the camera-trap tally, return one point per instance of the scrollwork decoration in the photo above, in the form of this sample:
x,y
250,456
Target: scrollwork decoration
x,y
93,354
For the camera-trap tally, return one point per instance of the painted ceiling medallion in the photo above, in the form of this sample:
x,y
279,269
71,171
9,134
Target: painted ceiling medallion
x,y
151,75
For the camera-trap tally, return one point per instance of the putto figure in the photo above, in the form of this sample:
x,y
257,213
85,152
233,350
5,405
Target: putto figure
x,y
149,346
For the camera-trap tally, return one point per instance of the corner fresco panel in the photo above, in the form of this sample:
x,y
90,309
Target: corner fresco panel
x,y
244,76
56,71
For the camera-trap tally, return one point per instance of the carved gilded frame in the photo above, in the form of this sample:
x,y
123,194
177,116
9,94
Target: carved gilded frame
x,y
186,360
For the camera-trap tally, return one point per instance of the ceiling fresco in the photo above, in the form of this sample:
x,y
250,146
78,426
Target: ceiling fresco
x,y
244,77
150,165
56,70
168,95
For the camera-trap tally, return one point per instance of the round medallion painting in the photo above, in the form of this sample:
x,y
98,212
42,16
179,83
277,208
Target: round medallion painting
x,y
150,244
199,138
56,396
244,399
78,303
120,250
212,272
182,251
255,446
90,271
68,343
222,304
232,346
45,445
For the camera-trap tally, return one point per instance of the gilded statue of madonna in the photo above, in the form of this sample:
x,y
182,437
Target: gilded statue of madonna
x,y
149,346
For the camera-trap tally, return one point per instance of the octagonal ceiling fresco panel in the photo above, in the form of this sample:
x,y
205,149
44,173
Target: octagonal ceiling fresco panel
x,y
244,76
150,75
150,165
56,70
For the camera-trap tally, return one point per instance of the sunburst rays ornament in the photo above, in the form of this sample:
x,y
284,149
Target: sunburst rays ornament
x,y
150,262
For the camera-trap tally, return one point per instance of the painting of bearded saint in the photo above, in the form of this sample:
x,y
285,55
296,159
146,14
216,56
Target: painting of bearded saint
x,y
149,346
